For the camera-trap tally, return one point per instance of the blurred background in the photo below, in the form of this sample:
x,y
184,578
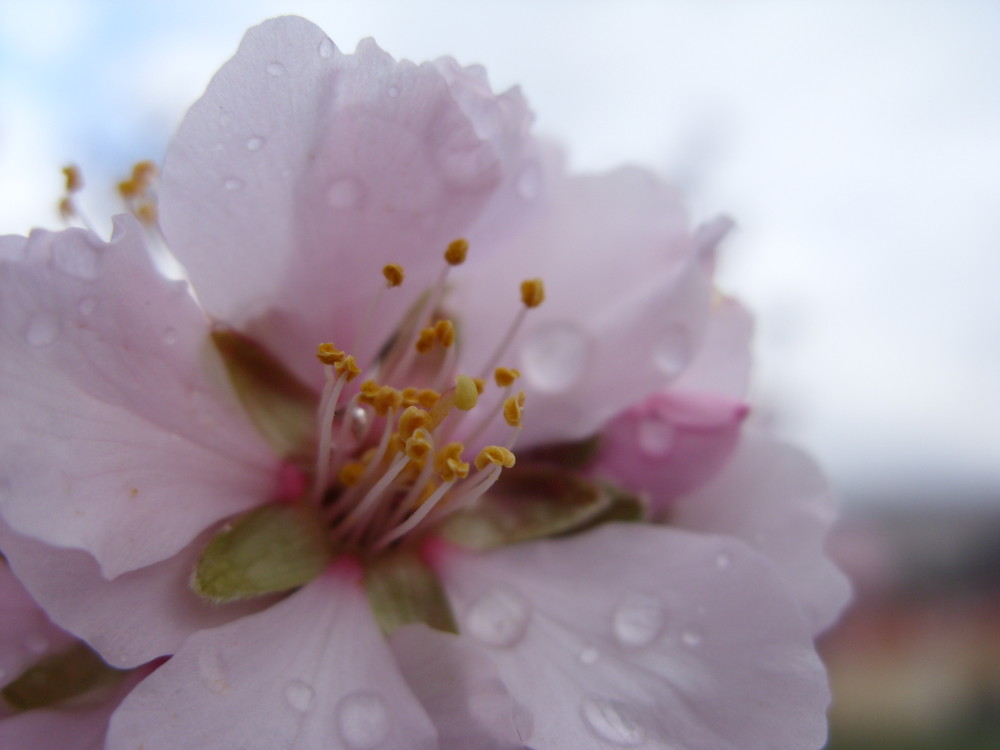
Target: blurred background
x,y
856,143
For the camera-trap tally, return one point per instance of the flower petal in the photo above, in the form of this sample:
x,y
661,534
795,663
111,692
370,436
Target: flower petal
x,y
722,363
137,617
114,435
302,171
310,673
648,637
774,498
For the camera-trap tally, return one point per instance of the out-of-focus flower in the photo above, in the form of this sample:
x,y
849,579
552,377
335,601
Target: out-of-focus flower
x,y
345,553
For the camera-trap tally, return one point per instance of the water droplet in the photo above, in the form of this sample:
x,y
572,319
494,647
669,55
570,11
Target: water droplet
x,y
326,47
656,436
723,560
610,721
225,120
691,638
255,144
77,259
344,193
170,335
555,355
212,671
42,330
499,618
219,147
529,182
638,621
672,352
299,695
362,720
393,92
589,655
87,305
233,183
275,68
36,643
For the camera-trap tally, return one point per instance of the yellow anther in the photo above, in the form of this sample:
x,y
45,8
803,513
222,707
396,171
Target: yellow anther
x,y
393,274
418,445
411,420
506,376
512,408
348,368
74,178
448,463
427,397
128,189
466,392
66,208
328,354
532,292
425,341
480,385
386,398
143,173
351,472
456,252
146,212
496,455
445,332
369,390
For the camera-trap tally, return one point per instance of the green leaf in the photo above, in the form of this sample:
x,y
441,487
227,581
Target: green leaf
x,y
532,502
280,405
272,548
402,590
59,677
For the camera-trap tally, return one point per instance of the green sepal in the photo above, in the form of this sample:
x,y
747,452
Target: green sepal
x,y
402,590
60,677
270,549
573,455
532,502
280,405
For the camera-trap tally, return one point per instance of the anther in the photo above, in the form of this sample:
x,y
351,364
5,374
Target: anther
x,y
411,420
496,455
328,354
350,473
512,409
348,368
74,178
505,376
448,463
425,341
456,252
466,393
444,330
532,292
394,275
419,445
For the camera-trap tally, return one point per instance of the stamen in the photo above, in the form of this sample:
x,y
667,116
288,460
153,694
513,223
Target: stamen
x,y
456,252
334,360
532,295
505,376
394,275
448,463
466,393
496,455
74,178
512,409
532,292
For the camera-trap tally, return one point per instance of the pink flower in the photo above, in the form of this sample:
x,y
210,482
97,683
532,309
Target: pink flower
x,y
403,597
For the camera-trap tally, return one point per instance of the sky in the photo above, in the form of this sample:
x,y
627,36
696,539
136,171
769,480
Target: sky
x,y
857,145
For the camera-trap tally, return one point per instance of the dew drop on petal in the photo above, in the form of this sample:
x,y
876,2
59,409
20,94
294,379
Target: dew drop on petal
x,y
362,720
212,671
233,183
255,144
499,618
393,92
589,655
638,621
326,47
672,352
225,120
691,638
87,305
275,68
610,721
655,437
170,335
299,696
723,560
36,643
344,193
43,329
555,355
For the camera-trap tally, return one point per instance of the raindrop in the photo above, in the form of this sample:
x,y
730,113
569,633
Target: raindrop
x,y
638,621
326,48
255,144
529,182
589,655
672,352
499,618
80,260
723,560
275,68
87,305
555,355
233,183
170,335
219,147
362,720
344,193
299,695
225,120
393,92
42,330
212,671
691,638
36,643
656,436
610,721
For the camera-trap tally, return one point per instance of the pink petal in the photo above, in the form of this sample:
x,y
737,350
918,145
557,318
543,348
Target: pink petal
x,y
137,617
669,444
116,437
643,636
459,688
302,171
722,364
310,673
774,498
26,634
627,300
